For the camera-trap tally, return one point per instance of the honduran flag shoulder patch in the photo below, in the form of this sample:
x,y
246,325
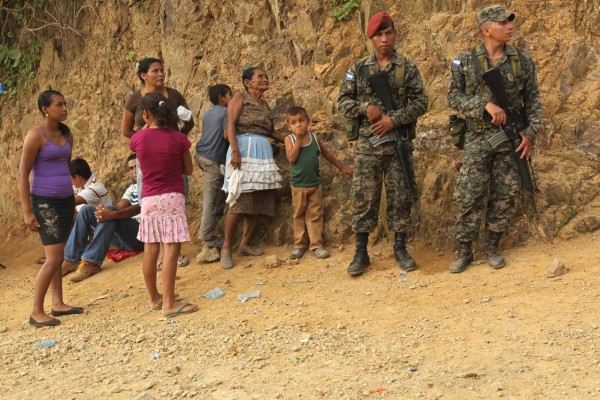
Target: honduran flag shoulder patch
x,y
349,76
456,62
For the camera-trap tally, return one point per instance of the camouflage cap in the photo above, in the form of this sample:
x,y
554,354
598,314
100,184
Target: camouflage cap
x,y
495,13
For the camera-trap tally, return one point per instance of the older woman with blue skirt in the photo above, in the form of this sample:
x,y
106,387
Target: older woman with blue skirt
x,y
251,172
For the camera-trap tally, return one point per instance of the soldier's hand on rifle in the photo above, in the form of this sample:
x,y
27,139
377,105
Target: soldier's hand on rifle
x,y
383,126
374,113
526,146
497,113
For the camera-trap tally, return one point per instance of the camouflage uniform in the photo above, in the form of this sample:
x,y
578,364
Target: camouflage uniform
x,y
376,165
486,172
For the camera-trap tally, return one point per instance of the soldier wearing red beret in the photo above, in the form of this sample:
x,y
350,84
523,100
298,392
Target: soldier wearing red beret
x,y
378,166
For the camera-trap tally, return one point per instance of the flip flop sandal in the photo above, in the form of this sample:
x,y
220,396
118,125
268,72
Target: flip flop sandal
x,y
177,297
39,260
180,311
251,251
182,261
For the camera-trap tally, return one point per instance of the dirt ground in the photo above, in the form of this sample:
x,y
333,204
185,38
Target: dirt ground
x,y
314,332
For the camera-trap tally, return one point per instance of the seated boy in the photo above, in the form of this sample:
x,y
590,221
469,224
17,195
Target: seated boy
x,y
302,149
98,226
88,190
210,155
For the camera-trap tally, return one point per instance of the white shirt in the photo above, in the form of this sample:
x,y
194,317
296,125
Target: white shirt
x,y
94,192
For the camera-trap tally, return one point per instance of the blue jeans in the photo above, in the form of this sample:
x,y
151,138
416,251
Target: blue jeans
x,y
122,233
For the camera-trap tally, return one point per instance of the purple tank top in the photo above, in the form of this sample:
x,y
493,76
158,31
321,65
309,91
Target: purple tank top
x,y
51,176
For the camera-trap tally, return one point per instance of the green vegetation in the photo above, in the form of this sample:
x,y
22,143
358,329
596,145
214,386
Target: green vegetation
x,y
344,9
19,51
23,26
131,56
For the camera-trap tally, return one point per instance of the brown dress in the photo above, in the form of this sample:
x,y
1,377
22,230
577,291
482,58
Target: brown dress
x,y
174,100
255,117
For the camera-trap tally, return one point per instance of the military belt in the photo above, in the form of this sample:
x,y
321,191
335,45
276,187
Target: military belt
x,y
474,124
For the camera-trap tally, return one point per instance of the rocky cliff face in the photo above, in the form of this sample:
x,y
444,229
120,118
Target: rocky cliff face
x,y
306,53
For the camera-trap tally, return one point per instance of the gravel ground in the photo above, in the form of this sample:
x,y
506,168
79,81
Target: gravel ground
x,y
314,332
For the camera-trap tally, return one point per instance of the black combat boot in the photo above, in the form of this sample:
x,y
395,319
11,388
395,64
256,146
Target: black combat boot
x,y
406,262
361,259
463,258
494,259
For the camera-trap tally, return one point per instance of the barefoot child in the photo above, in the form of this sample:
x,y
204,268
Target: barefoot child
x,y
163,154
302,149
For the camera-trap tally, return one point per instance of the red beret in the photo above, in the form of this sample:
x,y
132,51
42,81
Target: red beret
x,y
378,22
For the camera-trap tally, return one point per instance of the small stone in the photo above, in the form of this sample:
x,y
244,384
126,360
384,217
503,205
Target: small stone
x,y
122,295
3,329
142,337
466,301
496,385
143,396
556,268
173,370
486,300
116,389
271,261
293,261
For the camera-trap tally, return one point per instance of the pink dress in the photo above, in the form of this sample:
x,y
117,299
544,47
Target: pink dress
x,y
160,153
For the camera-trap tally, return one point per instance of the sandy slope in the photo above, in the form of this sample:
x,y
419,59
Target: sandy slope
x,y
314,332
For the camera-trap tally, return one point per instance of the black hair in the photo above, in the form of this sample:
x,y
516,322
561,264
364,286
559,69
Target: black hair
x,y
144,65
384,25
216,91
248,74
80,167
132,156
45,100
292,112
156,104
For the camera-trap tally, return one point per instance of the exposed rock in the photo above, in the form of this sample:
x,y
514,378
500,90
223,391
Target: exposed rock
x,y
307,53
272,261
556,268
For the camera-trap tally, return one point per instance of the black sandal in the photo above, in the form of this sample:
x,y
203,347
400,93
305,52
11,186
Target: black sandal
x,y
70,311
52,322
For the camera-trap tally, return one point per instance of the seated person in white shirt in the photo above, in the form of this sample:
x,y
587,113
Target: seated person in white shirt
x,y
88,190
98,226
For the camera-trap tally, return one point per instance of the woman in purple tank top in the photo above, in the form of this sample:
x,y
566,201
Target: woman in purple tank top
x,y
49,203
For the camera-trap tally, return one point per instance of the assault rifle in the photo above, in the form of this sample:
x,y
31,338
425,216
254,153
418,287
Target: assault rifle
x,y
379,82
509,132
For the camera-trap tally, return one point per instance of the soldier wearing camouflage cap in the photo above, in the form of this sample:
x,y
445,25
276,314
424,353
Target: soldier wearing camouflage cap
x,y
378,166
488,181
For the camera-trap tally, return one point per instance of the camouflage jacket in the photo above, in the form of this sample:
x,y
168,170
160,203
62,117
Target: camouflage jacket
x,y
468,94
355,95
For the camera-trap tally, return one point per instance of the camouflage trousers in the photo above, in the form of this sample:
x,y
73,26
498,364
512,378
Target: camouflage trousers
x,y
371,172
488,182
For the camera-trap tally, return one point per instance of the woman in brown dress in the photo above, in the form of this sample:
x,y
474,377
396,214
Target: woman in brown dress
x,y
251,172
151,72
